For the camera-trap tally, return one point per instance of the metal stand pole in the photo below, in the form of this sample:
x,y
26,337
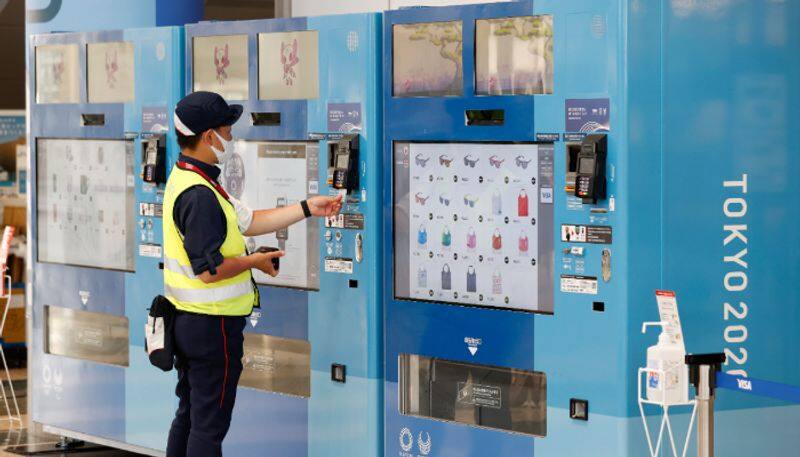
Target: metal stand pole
x,y
703,370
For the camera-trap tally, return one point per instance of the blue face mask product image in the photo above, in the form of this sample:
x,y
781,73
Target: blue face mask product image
x,y
422,277
446,279
497,202
447,238
422,236
472,279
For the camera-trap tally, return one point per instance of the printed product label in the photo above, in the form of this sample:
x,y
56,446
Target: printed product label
x,y
575,284
338,265
150,250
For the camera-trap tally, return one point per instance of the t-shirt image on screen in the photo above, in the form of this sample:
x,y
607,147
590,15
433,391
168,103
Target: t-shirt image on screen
x,y
267,175
470,226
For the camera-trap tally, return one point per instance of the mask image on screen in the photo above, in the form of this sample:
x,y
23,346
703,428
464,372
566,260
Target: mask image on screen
x,y
493,245
428,60
514,56
286,172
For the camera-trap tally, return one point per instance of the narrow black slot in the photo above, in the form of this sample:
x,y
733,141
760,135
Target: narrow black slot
x,y
92,120
598,306
353,283
266,119
485,117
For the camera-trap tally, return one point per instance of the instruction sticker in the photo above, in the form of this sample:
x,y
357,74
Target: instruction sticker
x,y
587,115
338,265
576,284
595,234
480,395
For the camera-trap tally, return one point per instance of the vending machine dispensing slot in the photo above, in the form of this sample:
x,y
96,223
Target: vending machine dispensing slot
x,y
266,119
93,120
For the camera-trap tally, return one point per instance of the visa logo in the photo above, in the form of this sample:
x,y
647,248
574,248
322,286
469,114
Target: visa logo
x,y
745,384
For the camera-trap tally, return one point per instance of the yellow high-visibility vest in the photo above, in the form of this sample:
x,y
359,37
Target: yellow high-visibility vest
x,y
234,296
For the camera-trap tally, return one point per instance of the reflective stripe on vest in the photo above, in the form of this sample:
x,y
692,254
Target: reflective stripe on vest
x,y
234,296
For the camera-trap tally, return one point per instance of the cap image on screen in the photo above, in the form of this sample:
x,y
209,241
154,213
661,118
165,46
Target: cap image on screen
x,y
220,64
85,203
469,227
280,174
427,59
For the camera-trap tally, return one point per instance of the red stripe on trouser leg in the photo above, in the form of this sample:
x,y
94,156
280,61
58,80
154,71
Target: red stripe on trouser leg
x,y
225,350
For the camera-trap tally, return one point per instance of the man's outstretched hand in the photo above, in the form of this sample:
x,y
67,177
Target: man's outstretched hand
x,y
322,206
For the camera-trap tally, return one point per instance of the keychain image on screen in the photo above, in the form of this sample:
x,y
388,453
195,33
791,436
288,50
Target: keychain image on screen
x,y
422,235
422,277
497,282
523,243
497,240
472,239
446,279
472,279
522,203
447,238
497,202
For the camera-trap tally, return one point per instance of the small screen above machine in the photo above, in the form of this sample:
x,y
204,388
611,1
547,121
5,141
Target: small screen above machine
x,y
57,73
428,59
514,56
470,226
85,203
109,72
288,65
274,174
220,64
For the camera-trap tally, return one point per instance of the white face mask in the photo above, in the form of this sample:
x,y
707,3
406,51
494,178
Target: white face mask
x,y
227,149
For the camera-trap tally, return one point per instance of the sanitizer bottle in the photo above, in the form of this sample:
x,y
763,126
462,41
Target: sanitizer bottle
x,y
670,386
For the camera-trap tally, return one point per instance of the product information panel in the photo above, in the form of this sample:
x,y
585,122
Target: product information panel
x,y
473,222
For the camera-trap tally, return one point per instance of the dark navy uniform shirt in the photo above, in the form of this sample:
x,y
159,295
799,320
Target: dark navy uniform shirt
x,y
200,219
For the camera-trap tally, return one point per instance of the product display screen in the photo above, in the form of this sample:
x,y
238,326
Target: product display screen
x,y
428,59
473,224
220,64
514,56
57,73
267,175
85,203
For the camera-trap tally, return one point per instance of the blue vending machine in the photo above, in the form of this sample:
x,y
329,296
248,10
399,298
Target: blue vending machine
x,y
553,164
101,137
311,125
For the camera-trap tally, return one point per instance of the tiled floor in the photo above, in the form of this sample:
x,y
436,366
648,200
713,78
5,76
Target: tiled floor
x,y
40,444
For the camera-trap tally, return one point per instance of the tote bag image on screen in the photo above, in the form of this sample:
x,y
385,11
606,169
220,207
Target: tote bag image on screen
x,y
446,279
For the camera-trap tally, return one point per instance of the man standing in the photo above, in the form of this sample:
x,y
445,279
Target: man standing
x,y
207,271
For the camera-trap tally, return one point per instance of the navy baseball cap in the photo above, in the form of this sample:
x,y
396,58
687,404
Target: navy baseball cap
x,y
200,111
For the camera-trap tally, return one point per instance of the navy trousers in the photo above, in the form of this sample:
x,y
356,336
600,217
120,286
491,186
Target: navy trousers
x,y
209,362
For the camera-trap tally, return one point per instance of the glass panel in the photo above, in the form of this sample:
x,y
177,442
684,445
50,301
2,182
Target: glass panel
x,y
514,56
57,74
220,64
85,202
109,72
275,364
473,224
273,174
288,65
97,337
428,59
494,397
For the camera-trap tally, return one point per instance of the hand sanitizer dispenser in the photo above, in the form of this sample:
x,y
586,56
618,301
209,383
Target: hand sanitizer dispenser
x,y
670,385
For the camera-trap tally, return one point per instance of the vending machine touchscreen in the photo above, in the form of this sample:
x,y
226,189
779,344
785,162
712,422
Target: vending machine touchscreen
x,y
469,225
